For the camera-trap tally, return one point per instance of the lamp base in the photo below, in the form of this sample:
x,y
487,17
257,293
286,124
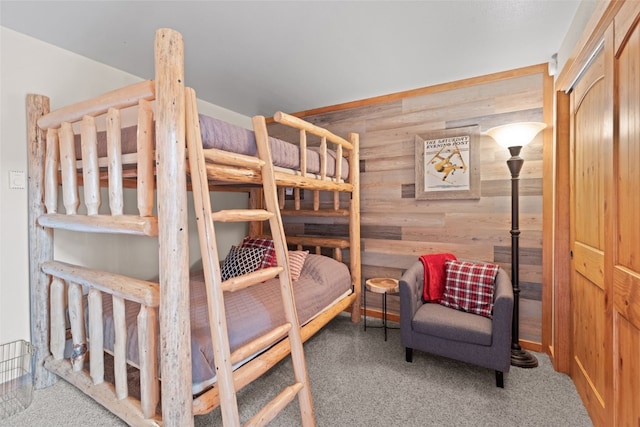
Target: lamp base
x,y
523,359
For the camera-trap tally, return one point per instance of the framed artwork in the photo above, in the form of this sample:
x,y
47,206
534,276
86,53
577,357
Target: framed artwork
x,y
448,164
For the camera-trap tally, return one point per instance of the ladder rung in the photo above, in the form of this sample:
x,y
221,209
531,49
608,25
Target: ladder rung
x,y
260,343
234,159
250,279
233,174
240,215
274,407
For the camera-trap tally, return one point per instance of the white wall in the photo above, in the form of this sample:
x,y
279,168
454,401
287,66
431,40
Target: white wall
x,y
28,66
580,21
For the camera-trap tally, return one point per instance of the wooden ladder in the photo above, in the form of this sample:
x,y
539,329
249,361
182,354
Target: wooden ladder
x,y
205,218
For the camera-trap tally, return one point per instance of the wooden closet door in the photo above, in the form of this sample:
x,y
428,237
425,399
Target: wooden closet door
x,y
590,140
626,219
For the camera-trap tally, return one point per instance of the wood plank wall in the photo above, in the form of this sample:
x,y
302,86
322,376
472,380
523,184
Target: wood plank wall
x,y
396,228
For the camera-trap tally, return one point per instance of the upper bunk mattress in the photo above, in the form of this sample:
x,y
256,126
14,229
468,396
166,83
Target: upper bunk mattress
x,y
225,136
228,137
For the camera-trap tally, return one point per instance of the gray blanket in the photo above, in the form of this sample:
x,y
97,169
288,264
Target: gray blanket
x,y
250,312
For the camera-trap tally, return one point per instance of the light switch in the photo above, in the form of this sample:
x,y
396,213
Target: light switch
x,y
16,180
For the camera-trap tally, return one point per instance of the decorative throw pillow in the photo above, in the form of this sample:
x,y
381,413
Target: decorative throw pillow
x,y
469,287
241,261
269,257
296,262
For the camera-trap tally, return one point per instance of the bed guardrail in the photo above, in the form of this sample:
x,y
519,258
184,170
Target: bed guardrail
x,y
77,281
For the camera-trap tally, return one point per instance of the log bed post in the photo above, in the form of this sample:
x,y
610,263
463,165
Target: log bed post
x,y
175,330
354,226
40,240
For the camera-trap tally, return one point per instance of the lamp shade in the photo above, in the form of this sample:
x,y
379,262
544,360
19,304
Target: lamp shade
x,y
515,134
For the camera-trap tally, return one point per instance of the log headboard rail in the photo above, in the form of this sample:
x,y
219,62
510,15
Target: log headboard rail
x,y
125,97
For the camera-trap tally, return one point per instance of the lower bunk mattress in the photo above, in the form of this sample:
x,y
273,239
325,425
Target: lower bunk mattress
x,y
250,312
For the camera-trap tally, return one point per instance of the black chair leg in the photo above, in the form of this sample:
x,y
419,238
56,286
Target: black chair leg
x,y
499,379
409,354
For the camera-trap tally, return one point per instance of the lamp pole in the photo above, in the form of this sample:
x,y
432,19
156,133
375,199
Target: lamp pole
x,y
514,136
519,357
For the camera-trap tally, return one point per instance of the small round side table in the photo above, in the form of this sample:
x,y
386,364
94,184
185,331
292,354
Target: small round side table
x,y
384,286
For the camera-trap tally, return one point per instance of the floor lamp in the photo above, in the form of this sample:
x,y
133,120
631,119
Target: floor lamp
x,y
515,136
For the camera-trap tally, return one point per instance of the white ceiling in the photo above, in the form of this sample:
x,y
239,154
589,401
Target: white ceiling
x,y
258,57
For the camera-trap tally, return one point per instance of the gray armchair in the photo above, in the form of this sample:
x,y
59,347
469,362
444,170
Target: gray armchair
x,y
447,332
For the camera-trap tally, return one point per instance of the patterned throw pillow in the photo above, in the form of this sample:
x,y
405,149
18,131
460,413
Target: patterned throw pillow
x,y
269,257
469,287
296,262
241,261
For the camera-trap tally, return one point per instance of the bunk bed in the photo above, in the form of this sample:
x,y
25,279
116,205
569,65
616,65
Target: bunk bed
x,y
151,324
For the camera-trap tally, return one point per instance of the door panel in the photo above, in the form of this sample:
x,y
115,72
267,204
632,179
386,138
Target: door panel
x,y
626,262
627,373
589,262
588,168
589,340
589,102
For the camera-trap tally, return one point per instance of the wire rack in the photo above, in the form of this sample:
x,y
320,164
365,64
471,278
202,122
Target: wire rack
x,y
16,377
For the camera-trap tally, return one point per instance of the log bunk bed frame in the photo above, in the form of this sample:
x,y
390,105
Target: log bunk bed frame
x,y
57,288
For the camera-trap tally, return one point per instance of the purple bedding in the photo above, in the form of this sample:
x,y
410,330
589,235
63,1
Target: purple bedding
x,y
225,136
249,312
228,137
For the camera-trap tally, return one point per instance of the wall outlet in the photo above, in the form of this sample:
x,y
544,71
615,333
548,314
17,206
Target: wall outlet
x,y
16,180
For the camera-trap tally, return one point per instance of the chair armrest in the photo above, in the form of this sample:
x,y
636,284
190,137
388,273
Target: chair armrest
x,y
502,308
411,284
